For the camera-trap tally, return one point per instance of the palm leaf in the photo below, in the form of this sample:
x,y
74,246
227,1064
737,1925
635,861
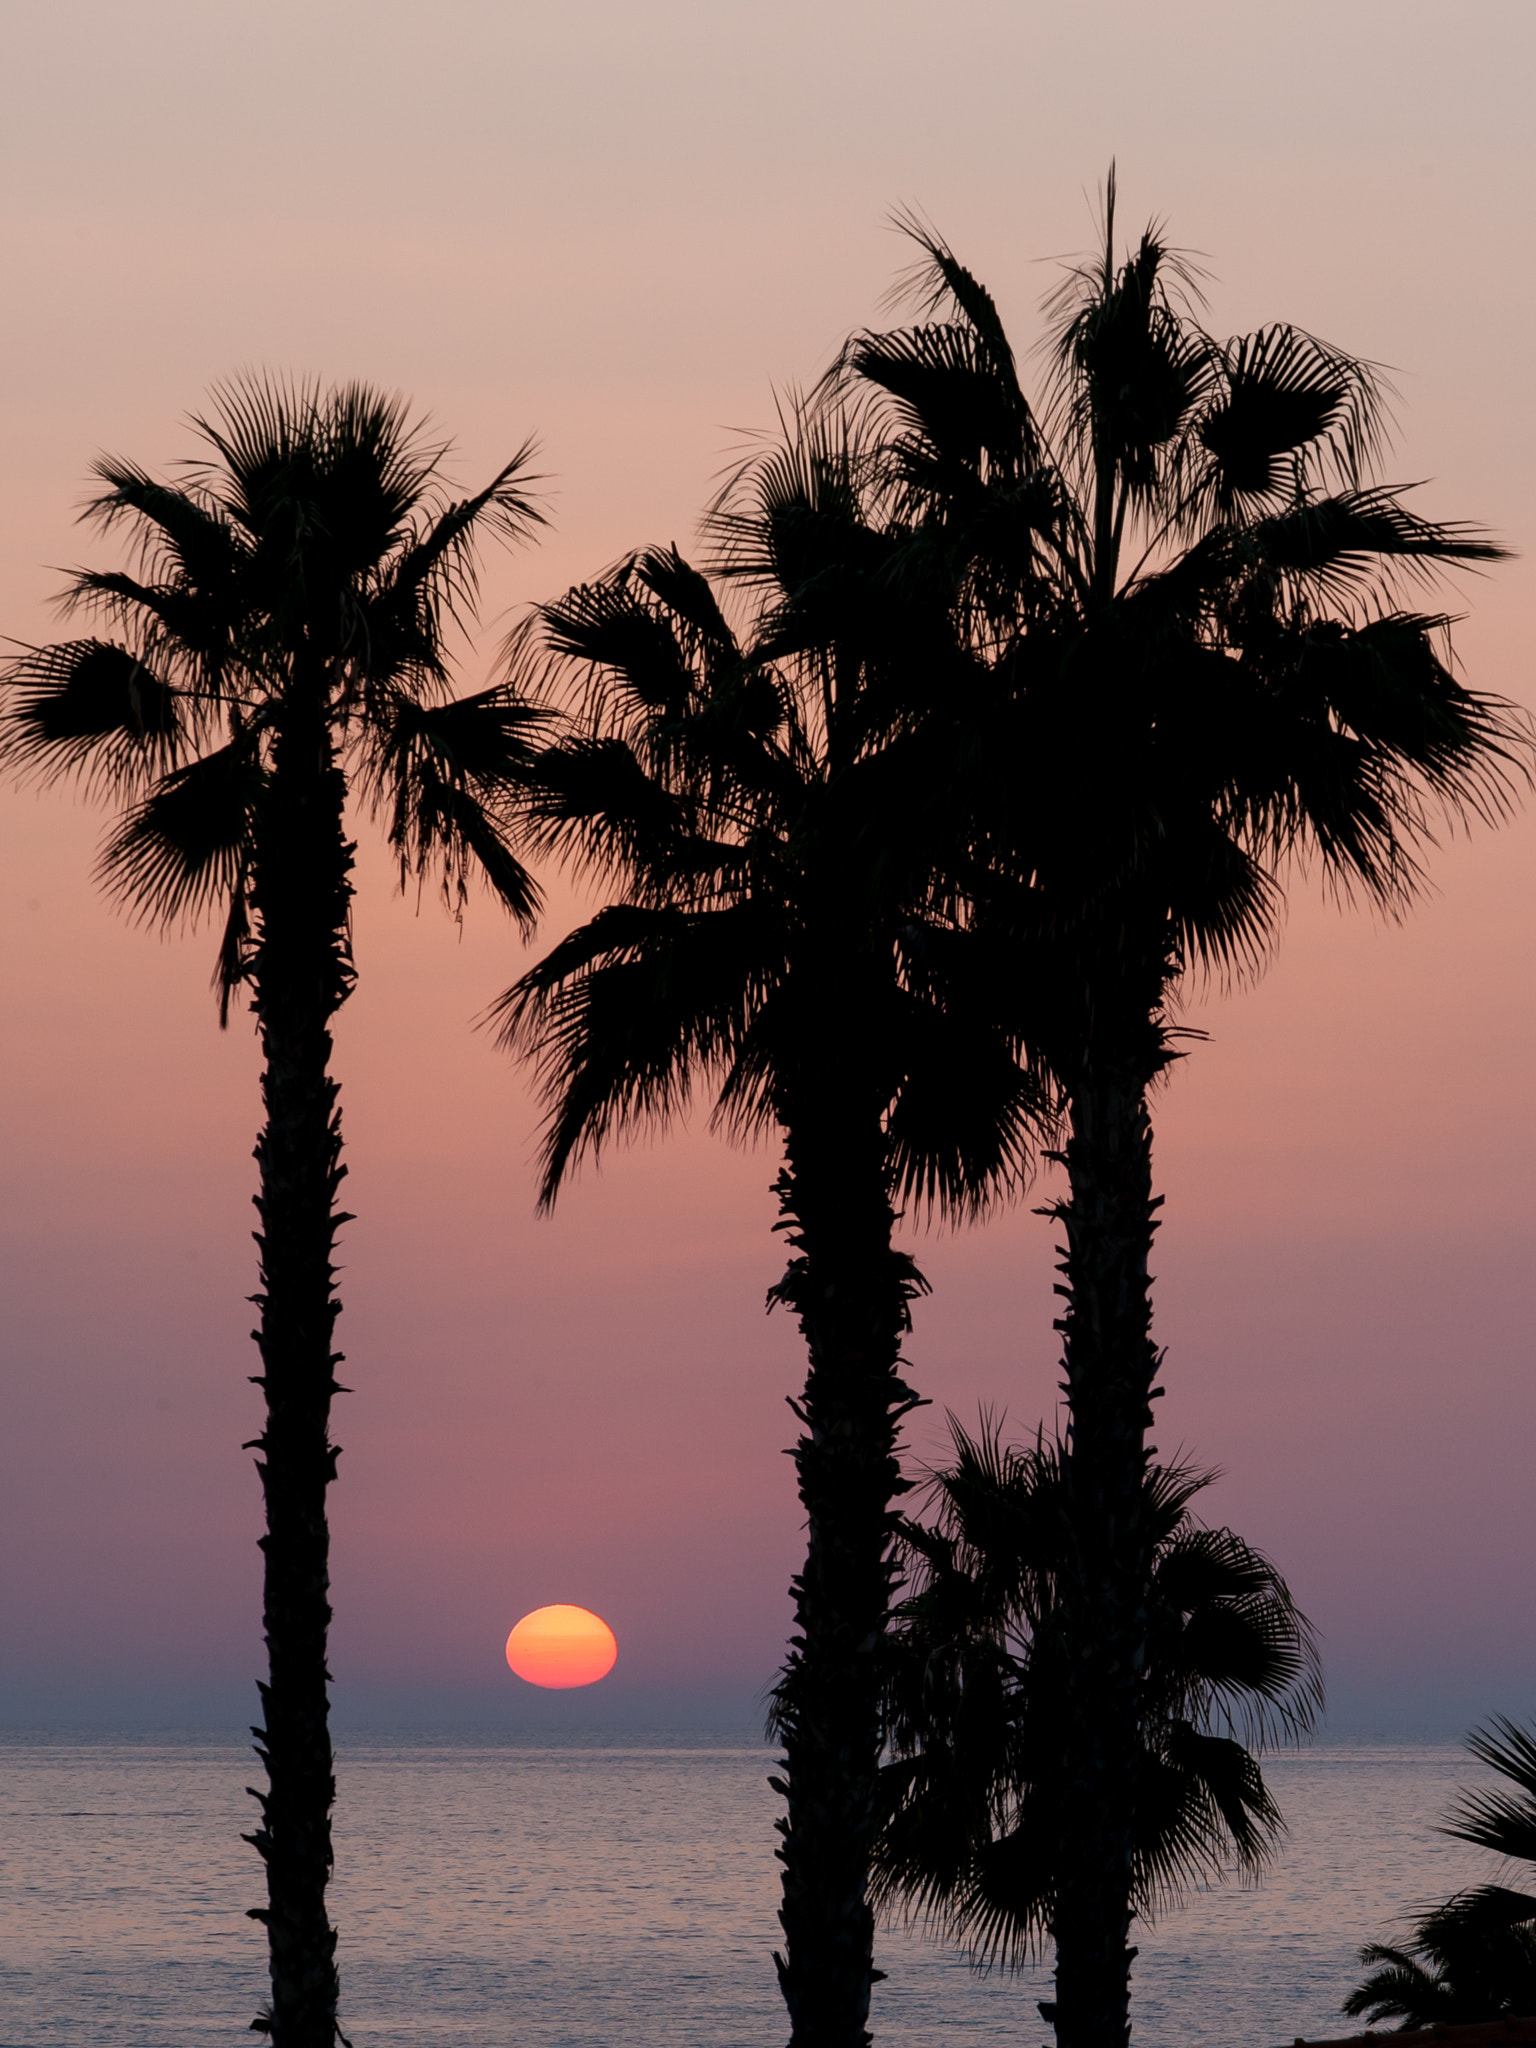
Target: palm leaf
x,y
91,709
1337,543
955,413
236,949
940,276
1131,366
970,1112
185,848
632,647
1399,1988
627,1016
193,629
455,777
1504,1822
1280,392
183,537
436,567
1474,1957
1361,737
686,595
593,798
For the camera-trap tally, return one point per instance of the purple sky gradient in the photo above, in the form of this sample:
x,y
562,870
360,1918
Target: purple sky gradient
x,y
620,228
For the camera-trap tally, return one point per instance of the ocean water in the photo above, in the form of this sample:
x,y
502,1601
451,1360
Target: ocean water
x,y
616,1894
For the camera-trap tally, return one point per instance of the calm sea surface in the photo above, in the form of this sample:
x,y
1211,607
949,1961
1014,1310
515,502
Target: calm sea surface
x,y
619,1894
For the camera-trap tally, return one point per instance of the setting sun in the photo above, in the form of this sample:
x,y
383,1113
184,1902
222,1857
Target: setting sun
x,y
561,1646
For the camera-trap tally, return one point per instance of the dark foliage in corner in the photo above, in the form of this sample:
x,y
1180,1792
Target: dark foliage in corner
x,y
1474,1958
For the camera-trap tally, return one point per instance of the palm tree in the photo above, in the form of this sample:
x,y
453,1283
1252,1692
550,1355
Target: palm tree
x,y
756,805
1474,1958
280,647
1186,589
972,1808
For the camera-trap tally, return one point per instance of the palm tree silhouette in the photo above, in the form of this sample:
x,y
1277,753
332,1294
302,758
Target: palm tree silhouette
x,y
755,801
280,647
972,1807
1474,1958
1186,589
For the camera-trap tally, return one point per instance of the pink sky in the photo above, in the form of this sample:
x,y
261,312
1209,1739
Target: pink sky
x,y
619,228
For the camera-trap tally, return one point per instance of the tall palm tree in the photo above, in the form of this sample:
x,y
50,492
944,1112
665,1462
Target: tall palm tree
x,y
971,1803
1473,1958
756,806
1187,590
281,645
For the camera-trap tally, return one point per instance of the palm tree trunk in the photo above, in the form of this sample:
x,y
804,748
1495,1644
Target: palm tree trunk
x,y
1111,1364
851,1292
302,975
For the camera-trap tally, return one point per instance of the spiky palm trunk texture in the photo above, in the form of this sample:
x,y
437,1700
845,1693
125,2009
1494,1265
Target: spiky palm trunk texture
x,y
851,1292
1111,1365
302,975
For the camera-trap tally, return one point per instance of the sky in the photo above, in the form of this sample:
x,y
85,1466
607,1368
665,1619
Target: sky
x,y
623,229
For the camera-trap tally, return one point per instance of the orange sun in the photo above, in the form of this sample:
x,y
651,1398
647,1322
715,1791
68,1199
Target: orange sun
x,y
561,1646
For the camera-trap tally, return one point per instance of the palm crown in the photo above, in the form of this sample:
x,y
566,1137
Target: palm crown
x,y
314,555
971,1799
1182,576
1473,1958
760,801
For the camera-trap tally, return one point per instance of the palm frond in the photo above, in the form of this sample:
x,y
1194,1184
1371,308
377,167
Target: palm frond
x,y
631,649
1227,907
626,1017
181,537
1201,1806
88,709
949,401
1461,1965
819,467
1132,366
337,473
1504,1822
972,1815
973,1110
455,780
1474,1956
191,629
1287,413
1336,545
437,566
1400,1988
184,848
684,593
1367,741
260,425
1243,1658
591,799
939,278
1483,1909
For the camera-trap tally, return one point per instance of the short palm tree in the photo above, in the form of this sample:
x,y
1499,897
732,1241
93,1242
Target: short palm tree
x,y
1186,590
1474,1958
972,1807
756,806
280,647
